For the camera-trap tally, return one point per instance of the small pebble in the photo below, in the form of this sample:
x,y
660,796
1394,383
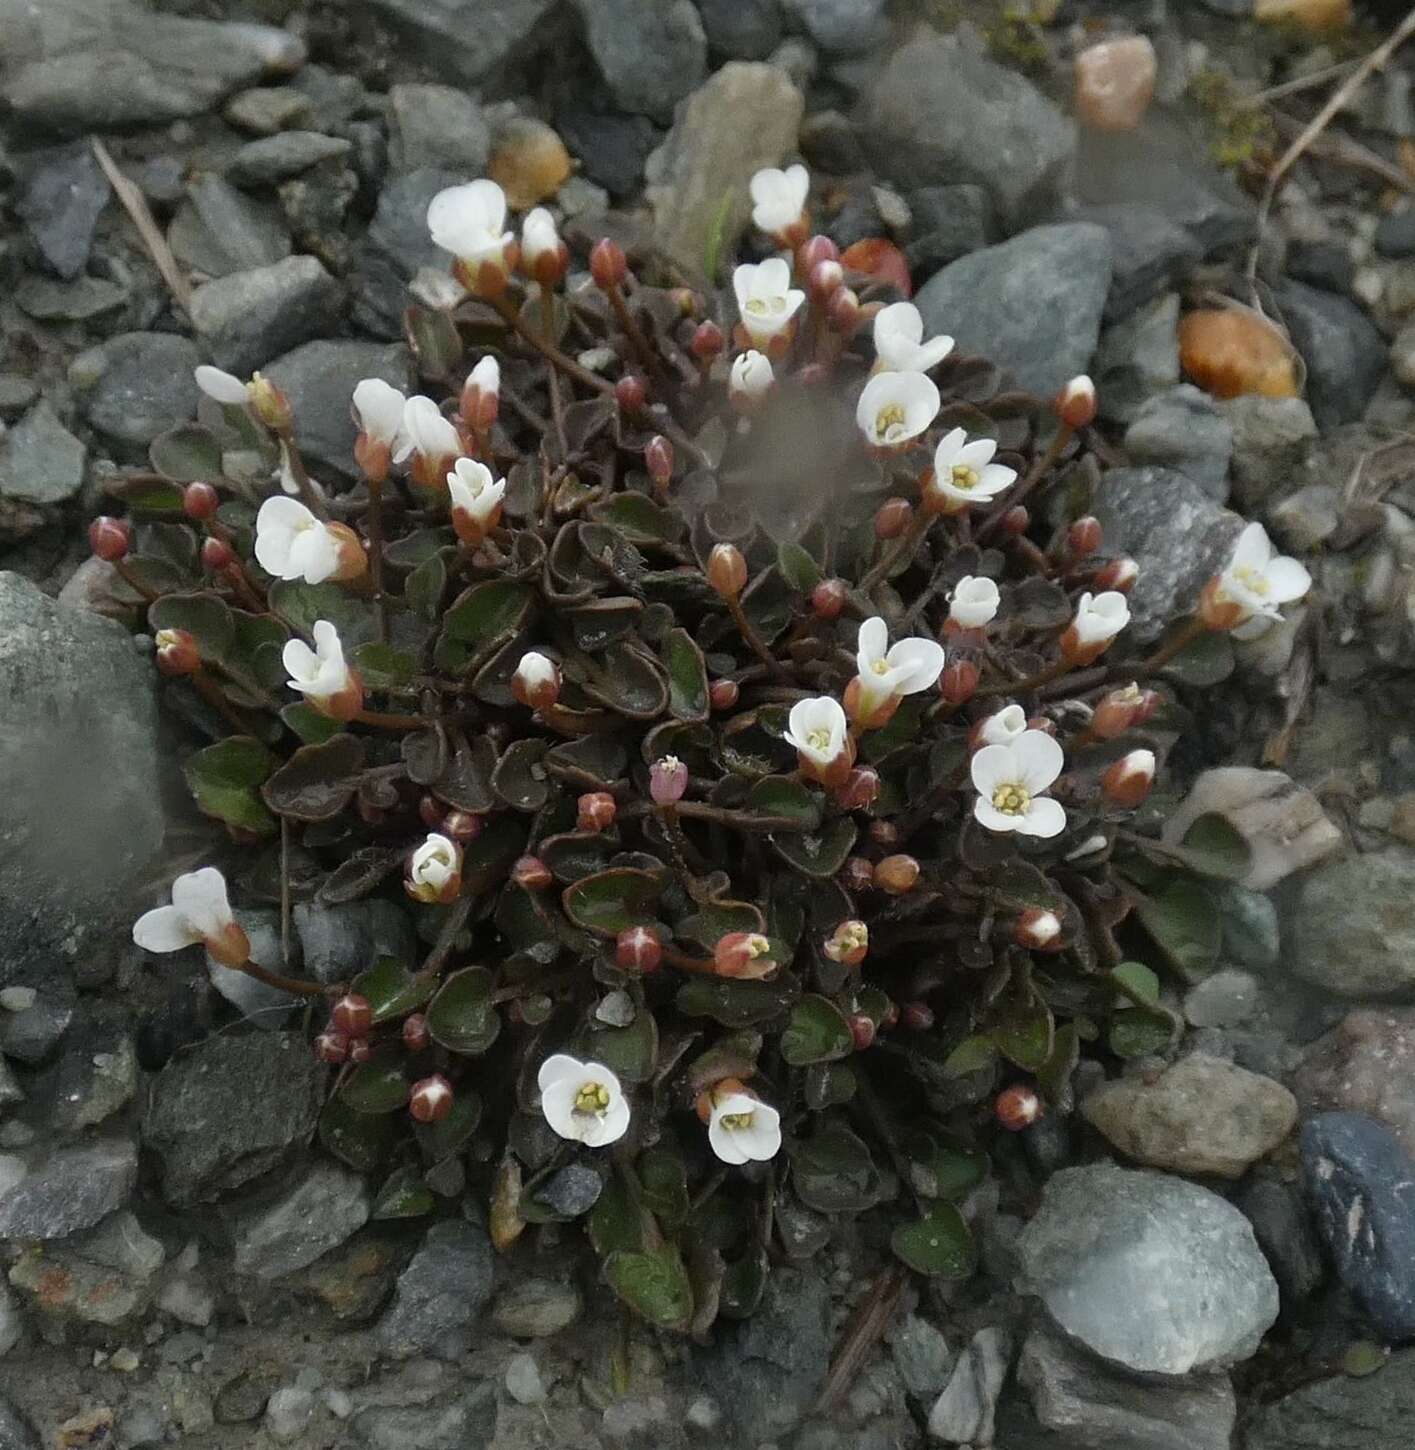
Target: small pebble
x,y
124,1360
529,161
1115,82
523,1381
17,999
1229,352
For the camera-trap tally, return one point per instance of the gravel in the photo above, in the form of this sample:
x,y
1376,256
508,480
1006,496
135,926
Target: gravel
x,y
146,386
1352,925
248,318
70,1189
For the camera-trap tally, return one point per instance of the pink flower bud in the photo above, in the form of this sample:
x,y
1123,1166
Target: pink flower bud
x,y
896,874
892,517
415,1032
1076,403
216,555
597,811
463,825
828,598
608,264
815,250
1127,782
631,395
727,570
536,682
352,1015
332,1047
1017,1107
848,943
707,342
724,694
110,538
668,779
1015,521
1084,537
860,789
638,949
1038,930
959,680
743,954
857,874
658,459
843,310
200,501
1119,574
431,1099
531,873
177,652
862,1031
1116,712
918,1016
825,279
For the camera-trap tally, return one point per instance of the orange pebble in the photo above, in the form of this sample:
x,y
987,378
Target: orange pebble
x,y
1228,352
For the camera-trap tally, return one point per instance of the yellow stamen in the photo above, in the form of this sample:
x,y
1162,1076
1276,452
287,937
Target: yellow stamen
x,y
880,667
818,739
734,1121
1254,580
1011,800
890,416
593,1097
965,477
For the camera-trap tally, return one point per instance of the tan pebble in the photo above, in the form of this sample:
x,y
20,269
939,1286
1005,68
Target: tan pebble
x,y
1317,15
1229,352
529,162
1115,82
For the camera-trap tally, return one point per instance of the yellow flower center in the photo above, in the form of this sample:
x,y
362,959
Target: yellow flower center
x,y
766,306
735,1121
593,1097
818,739
165,638
757,945
1254,580
1011,800
880,667
889,418
964,477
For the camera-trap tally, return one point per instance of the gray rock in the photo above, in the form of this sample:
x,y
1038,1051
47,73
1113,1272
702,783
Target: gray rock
x,y
288,153
1138,358
744,118
61,203
742,29
571,1190
842,25
396,245
146,387
218,230
16,394
10,1091
436,126
1032,304
250,317
1351,927
229,1110
99,1277
1284,1233
1308,517
1086,1402
651,53
94,1075
1372,1412
440,1294
1152,1273
12,1325
49,301
523,1380
1182,429
1365,1064
1150,252
325,1206
922,1356
1360,1183
536,1308
41,462
70,1189
1269,435
612,149
75,835
288,1413
1344,353
319,379
467,1424
949,222
963,1413
1174,531
471,39
939,111
1201,1115
265,110
16,1432
1250,926
1226,999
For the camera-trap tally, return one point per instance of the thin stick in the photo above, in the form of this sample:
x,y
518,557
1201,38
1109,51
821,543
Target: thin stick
x,y
567,365
1297,84
994,520
135,204
748,632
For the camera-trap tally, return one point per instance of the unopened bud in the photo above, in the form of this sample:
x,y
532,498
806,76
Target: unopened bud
x,y
959,681
1127,782
1084,537
843,310
631,395
360,1049
743,954
1119,574
638,949
596,810
857,874
270,405
352,1015
1038,930
658,459
331,1047
860,789
707,342
608,264
917,1016
1216,609
353,562
727,570
893,517
1116,712
1015,521
828,598
896,874
110,538
1076,403
415,1032
724,694
431,1099
824,280
480,403
532,873
463,825
177,652
668,779
1017,1107
200,501
849,943
217,555
862,1031
536,682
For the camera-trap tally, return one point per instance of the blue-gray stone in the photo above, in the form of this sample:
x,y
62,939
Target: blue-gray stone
x,y
472,40
440,1294
1150,253
146,387
70,1189
1344,352
1369,1412
847,26
651,53
742,29
61,204
1183,429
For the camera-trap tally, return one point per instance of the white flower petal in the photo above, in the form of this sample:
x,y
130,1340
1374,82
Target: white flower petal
x,y
314,556
919,663
164,929
380,409
1043,817
726,1143
1038,760
223,387
990,767
201,897
1003,727
988,814
1287,580
871,642
1253,550
301,664
994,479
557,1105
609,1126
556,1067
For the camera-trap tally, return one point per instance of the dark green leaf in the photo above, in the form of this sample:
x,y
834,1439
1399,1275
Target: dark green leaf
x,y
317,781
630,1052
300,605
186,453
611,901
1207,662
383,667
817,853
392,990
362,1140
781,795
424,587
828,1084
312,727
1135,1032
797,567
404,1195
614,1223
939,1243
736,1003
1139,981
971,1055
665,1185
434,340
379,1085
225,780
1184,921
654,1285
687,676
834,1173
520,778
357,875
817,1032
744,1283
1213,847
441,1140
482,617
638,518
461,1016
1024,1034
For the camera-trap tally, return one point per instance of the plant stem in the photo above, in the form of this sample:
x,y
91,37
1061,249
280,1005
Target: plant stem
x,y
446,938
634,332
557,414
375,556
285,890
553,355
1192,630
384,720
1034,475
215,696
905,544
296,986
746,629
1053,671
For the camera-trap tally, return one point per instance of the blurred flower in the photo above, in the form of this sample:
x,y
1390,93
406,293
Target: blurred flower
x,y
291,543
582,1101
751,378
543,255
480,403
470,222
765,298
429,439
1004,727
222,387
200,912
904,669
1099,618
779,202
1251,590
378,409
1010,780
899,341
818,730
896,407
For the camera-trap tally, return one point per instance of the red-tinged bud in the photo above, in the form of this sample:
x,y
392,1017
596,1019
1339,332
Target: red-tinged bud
x,y
668,779
1038,930
596,811
884,834
480,403
893,517
608,264
1076,403
815,250
1116,712
463,825
200,501
918,1016
743,954
631,395
110,538
860,789
868,711
352,1015
532,873
724,694
638,949
828,598
857,874
1015,521
707,342
843,311
724,1087
431,811
862,1031
536,682
332,1047
360,1049
431,1099
177,652
727,570
824,280
1017,1107
1084,537
658,459
217,555
353,562
415,1032
849,943
1150,701
959,681
1041,722
896,874
374,457
1119,574
1127,782
1217,611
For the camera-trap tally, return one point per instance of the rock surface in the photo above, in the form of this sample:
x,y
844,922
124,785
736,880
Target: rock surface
x,y
1373,1412
470,39
651,53
1344,353
440,1294
963,1413
41,462
316,1213
248,318
69,1190
62,202
146,386
1183,429
1352,925
1365,1065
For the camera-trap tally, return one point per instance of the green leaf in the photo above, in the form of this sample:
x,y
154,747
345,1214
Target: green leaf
x,y
317,781
817,1032
392,990
300,605
225,779
186,453
828,1084
206,617
735,1003
714,919
653,1284
611,901
942,1170
780,795
797,567
462,1017
939,1243
631,1052
441,1140
973,1054
1184,921
834,1173
434,340
424,587
665,1185
1137,1033
479,618
687,676
404,1195
362,1140
520,778
744,1283
379,1085
638,518
383,667
817,853
1024,1035
312,727
614,1222
1213,847
1208,661
1139,979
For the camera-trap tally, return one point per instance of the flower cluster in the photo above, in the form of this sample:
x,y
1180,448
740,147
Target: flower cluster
x,y
748,860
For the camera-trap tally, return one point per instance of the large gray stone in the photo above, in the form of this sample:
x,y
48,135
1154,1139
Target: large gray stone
x,y
103,1276
147,386
70,1189
1365,1064
247,318
1344,353
396,245
436,126
1372,1412
1032,305
844,26
218,230
1138,358
61,203
81,821
440,1294
1269,438
742,29
963,1413
1151,253
468,1423
324,1206
941,111
651,53
1183,429
16,1432
471,39
41,462
1150,1272
1351,927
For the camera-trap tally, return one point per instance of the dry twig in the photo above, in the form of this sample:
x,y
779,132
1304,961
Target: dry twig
x,y
135,204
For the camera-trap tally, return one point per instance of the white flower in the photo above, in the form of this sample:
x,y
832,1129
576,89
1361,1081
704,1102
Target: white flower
x,y
582,1101
476,499
817,729
426,432
964,472
536,670
895,407
538,237
765,298
470,222
743,1129
291,543
1100,617
899,340
320,672
1004,727
910,666
486,377
200,912
1258,582
974,602
752,375
223,387
779,198
434,872
1010,780
379,407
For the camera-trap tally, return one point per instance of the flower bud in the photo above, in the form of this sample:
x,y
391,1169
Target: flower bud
x,y
531,873
480,402
638,949
668,779
1076,403
631,395
959,680
1116,712
860,789
812,375
893,517
1038,930
1217,611
917,1016
857,874
544,257
862,1031
1119,574
1127,782
415,1032
360,1049
824,280
896,874
463,825
658,459
331,1047
1015,521
200,501
707,342
704,1103
727,570
1084,537
848,943
431,1099
536,682
685,300
435,870
608,264
724,694
217,555
1017,1107
743,954
597,810
110,538
270,405
177,652
815,250
352,1015
843,310
884,834
353,562
828,598
1149,702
